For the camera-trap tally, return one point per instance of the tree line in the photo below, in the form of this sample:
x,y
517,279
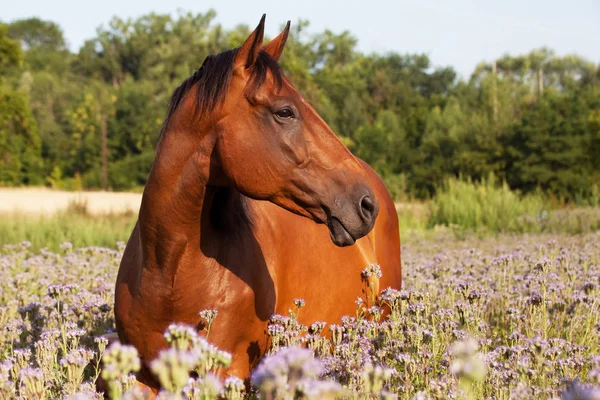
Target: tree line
x,y
532,120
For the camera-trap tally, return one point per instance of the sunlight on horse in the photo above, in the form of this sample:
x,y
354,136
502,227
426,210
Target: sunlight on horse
x,y
252,201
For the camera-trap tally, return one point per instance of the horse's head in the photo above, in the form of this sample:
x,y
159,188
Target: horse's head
x,y
270,144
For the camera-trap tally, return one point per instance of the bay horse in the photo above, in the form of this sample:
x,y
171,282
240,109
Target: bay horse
x,y
251,202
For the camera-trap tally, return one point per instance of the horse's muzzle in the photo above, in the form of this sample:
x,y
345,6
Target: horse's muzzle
x,y
353,217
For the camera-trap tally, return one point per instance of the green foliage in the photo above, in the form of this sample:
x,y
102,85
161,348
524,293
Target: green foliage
x,y
397,185
137,167
533,120
20,159
10,52
44,44
486,205
549,147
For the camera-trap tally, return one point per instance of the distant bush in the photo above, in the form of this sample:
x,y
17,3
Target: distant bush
x,y
125,174
397,185
131,172
485,205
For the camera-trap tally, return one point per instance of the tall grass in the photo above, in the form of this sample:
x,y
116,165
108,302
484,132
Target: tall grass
x,y
78,227
485,205
412,217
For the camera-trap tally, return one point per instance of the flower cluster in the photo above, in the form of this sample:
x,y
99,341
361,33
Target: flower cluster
x,y
291,373
508,317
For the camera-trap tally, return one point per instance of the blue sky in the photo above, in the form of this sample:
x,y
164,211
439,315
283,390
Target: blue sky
x,y
460,33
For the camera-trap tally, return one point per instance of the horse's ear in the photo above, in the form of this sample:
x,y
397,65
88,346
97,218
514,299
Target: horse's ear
x,y
275,47
247,54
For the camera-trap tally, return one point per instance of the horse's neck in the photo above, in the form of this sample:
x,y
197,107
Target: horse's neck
x,y
179,210
173,201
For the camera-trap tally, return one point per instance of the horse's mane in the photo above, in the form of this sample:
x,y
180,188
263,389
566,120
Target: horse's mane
x,y
213,81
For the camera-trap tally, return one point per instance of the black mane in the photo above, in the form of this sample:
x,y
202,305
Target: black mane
x,y
213,80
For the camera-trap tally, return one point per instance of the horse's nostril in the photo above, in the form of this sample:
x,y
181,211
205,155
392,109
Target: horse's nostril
x,y
367,207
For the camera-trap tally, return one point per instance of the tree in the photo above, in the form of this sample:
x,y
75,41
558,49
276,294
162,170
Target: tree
x,y
532,119
20,161
10,53
382,143
43,43
549,147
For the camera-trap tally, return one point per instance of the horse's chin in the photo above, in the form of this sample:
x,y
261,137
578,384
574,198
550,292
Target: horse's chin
x,y
339,235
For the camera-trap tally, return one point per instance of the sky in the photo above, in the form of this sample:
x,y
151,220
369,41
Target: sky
x,y
457,33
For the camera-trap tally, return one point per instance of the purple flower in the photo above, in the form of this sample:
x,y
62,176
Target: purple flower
x,y
284,368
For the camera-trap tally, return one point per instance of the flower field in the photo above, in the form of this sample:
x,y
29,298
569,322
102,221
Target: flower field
x,y
509,317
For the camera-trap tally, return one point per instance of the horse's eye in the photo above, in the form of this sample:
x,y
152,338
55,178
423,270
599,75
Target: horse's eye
x,y
285,113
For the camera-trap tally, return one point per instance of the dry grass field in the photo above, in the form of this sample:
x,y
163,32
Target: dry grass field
x,y
44,201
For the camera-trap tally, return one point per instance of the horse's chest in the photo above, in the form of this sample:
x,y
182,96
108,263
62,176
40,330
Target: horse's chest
x,y
235,279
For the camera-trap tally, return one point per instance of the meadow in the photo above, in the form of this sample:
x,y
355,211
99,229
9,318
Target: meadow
x,y
506,307
462,207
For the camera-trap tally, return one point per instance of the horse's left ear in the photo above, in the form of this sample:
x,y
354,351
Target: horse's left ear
x,y
275,47
247,54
